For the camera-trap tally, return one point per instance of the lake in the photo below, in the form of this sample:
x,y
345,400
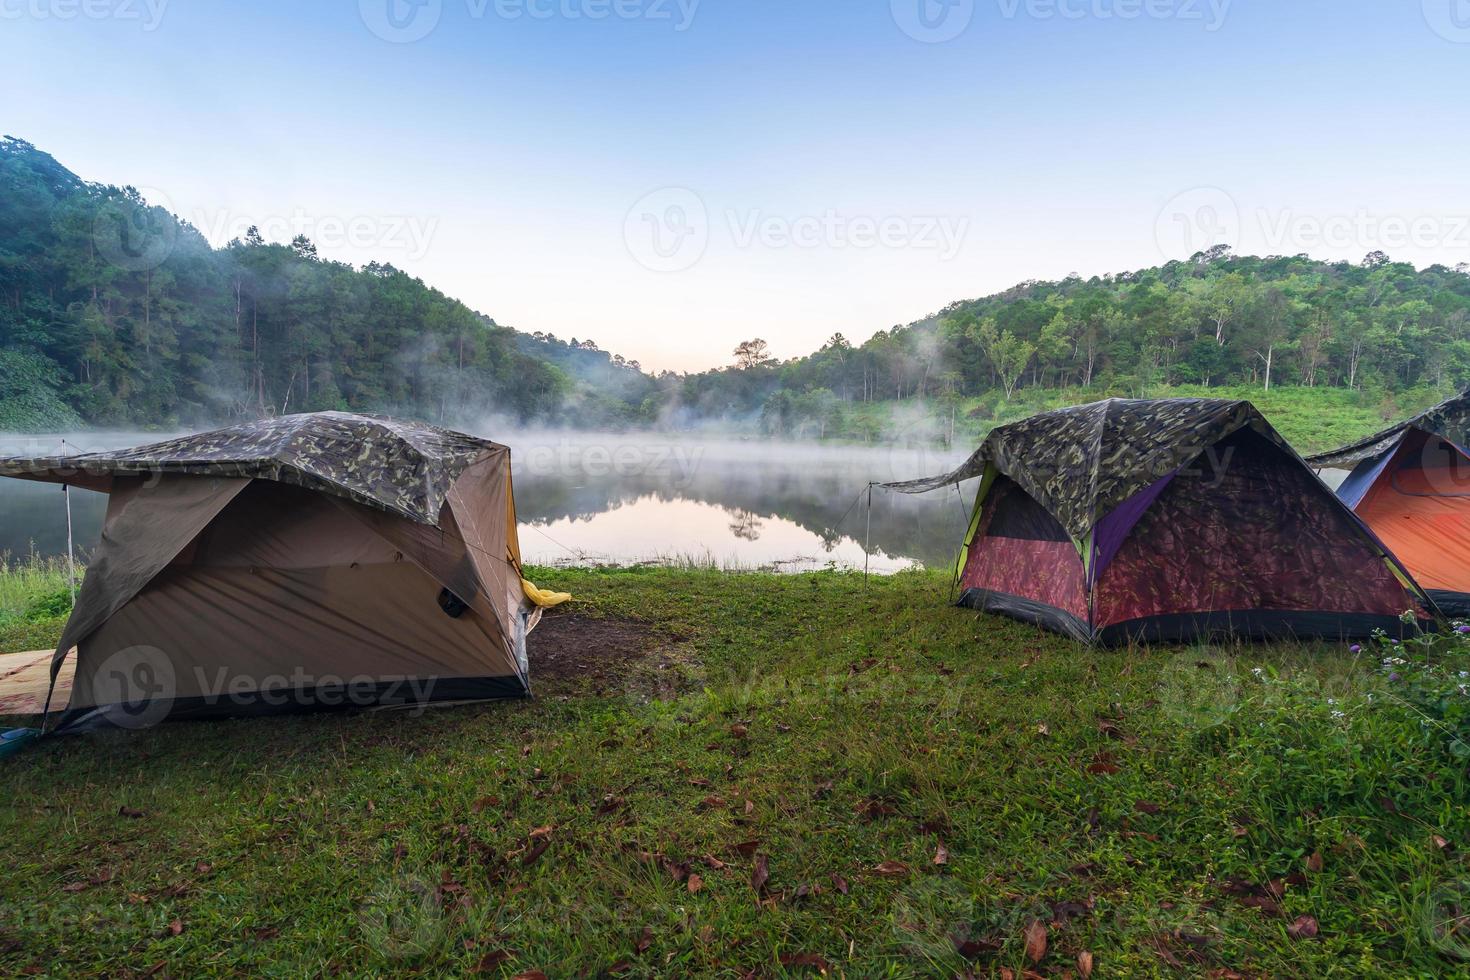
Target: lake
x,y
590,499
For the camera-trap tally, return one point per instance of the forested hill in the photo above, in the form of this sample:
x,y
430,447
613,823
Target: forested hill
x,y
114,312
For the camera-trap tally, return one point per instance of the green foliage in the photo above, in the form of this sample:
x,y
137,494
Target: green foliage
x,y
51,605
35,601
30,394
1430,674
33,587
115,312
1379,335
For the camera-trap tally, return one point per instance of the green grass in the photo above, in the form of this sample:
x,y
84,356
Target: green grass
x,y
35,599
1129,800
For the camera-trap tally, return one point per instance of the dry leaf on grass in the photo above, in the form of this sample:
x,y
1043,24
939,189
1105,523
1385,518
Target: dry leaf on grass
x,y
760,873
1305,927
534,854
1035,936
811,960
493,959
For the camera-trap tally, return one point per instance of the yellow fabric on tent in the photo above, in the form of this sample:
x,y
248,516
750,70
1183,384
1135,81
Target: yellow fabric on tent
x,y
544,598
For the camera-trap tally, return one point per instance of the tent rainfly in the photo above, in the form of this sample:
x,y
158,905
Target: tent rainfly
x,y
295,563
1410,483
1169,519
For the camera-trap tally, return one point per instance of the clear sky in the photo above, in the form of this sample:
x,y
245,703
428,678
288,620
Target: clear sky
x,y
669,177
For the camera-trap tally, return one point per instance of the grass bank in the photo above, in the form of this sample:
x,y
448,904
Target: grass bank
x,y
799,773
35,599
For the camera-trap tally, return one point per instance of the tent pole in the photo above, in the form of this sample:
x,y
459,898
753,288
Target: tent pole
x,y
868,537
71,562
954,578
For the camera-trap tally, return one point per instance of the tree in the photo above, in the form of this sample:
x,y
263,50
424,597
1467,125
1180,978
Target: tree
x,y
1009,354
1223,300
752,353
1271,330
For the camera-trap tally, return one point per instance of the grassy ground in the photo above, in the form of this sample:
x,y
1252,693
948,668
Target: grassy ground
x,y
771,792
35,598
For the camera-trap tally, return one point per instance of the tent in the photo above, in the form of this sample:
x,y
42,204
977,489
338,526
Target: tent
x,y
1170,519
1411,484
295,563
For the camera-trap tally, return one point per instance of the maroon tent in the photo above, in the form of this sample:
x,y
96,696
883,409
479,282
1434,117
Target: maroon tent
x,y
1169,519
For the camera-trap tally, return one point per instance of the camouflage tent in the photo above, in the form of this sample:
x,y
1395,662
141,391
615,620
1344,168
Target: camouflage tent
x,y
299,562
401,467
1167,519
1411,484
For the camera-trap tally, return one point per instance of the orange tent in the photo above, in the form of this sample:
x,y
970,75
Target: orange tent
x,y
1411,485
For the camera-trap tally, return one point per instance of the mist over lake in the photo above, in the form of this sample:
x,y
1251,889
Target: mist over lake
x,y
588,498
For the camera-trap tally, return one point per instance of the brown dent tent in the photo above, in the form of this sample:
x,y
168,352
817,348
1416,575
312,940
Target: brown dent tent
x,y
1168,519
1411,484
294,563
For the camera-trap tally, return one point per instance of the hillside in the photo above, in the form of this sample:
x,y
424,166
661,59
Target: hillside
x,y
114,312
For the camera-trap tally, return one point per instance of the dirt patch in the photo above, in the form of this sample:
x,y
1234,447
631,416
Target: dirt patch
x,y
582,655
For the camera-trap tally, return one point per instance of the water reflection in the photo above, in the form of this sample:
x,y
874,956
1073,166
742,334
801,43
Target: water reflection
x,y
629,499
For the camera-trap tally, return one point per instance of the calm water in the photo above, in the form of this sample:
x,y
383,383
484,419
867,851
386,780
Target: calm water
x,y
627,499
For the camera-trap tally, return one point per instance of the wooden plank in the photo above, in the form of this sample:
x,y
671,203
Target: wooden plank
x,y
24,678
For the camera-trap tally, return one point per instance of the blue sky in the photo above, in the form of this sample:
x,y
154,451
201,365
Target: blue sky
x,y
669,177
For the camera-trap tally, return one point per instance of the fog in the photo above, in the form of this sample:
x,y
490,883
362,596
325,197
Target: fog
x,y
623,498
